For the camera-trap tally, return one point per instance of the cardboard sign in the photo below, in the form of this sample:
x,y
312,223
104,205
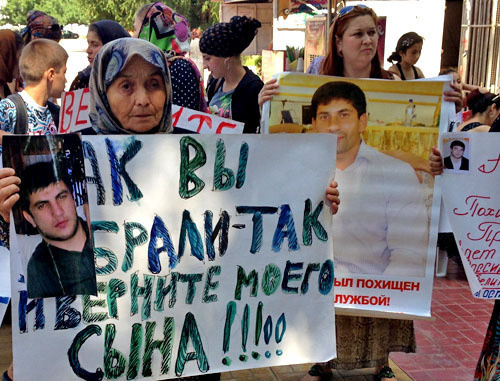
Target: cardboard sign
x,y
74,113
470,184
74,116
386,229
208,259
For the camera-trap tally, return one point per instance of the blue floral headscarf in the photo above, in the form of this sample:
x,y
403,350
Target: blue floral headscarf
x,y
109,62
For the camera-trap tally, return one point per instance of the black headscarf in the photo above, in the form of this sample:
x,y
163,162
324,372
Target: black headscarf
x,y
228,39
109,30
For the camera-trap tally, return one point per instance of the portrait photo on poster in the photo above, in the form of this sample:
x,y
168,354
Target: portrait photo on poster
x,y
382,228
456,153
51,217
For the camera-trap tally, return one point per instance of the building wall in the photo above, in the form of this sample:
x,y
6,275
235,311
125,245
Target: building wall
x,y
425,17
261,11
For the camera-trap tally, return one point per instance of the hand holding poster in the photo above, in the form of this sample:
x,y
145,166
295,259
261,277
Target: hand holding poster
x,y
384,245
470,185
208,259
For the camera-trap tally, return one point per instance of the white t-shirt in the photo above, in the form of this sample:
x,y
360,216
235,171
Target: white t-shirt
x,y
382,224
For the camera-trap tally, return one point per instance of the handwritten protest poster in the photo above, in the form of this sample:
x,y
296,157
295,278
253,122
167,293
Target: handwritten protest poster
x,y
470,185
74,116
208,259
386,229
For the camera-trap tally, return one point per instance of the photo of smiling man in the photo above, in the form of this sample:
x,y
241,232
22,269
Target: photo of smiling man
x,y
391,237
63,262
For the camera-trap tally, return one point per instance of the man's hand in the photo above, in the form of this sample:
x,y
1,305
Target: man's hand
x,y
9,188
455,96
332,195
436,162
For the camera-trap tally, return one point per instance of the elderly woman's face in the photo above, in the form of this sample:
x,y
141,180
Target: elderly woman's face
x,y
137,96
358,44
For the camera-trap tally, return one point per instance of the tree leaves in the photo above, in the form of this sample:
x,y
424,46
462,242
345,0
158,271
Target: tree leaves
x,y
200,13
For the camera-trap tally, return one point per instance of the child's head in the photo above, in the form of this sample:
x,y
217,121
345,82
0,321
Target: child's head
x,y
456,77
408,49
43,57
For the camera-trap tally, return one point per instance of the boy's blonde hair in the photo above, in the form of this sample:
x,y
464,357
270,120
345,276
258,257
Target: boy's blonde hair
x,y
39,56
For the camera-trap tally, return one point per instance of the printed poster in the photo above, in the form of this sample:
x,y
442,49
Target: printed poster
x,y
207,260
386,229
470,185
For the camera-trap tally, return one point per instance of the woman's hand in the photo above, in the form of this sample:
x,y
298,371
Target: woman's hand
x,y
332,195
436,162
268,91
455,96
9,188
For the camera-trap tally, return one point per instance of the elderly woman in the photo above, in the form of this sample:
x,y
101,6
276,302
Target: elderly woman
x,y
130,89
98,35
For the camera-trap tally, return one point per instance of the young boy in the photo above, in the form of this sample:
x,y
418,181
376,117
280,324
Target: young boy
x,y
43,68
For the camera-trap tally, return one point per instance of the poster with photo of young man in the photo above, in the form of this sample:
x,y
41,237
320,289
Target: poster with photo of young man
x,y
50,217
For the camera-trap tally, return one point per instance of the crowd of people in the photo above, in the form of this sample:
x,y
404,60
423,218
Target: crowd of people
x,y
134,80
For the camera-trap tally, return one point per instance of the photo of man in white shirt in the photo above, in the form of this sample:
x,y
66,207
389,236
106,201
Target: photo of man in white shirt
x,y
382,224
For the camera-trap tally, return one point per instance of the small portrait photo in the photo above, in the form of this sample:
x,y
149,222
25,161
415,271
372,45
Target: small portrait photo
x,y
456,152
51,217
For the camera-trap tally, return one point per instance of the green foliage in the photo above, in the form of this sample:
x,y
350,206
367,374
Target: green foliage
x,y
255,60
200,13
68,12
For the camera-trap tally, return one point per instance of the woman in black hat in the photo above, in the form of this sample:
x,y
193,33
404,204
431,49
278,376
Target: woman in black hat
x,y
233,89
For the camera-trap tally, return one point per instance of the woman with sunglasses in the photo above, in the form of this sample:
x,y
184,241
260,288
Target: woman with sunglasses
x,y
352,53
362,342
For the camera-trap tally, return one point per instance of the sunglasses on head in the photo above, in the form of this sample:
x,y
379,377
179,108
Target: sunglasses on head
x,y
346,10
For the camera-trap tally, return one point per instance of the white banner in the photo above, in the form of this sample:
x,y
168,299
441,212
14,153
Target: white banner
x,y
208,259
471,196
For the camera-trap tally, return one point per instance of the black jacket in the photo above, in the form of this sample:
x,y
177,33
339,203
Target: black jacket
x,y
464,165
244,103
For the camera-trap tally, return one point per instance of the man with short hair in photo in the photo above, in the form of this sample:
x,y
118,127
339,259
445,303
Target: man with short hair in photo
x,y
382,225
456,160
63,263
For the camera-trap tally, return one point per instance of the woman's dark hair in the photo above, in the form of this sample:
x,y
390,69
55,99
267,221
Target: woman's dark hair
x,y
333,63
479,102
405,42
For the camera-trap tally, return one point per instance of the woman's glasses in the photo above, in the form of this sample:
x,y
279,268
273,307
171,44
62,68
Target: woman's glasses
x,y
346,10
